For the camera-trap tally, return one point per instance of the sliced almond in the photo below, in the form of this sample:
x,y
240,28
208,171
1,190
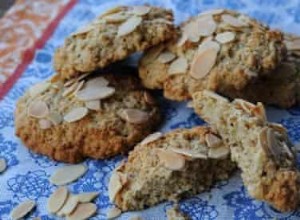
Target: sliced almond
x,y
225,37
152,137
178,66
69,206
141,10
208,43
213,140
99,81
76,114
206,26
166,57
87,197
39,88
94,93
191,31
70,82
113,213
153,53
232,21
70,89
38,109
116,18
189,153
68,174
57,199
181,41
112,11
78,87
55,118
2,165
83,211
93,105
218,152
134,116
212,12
162,21
45,124
114,186
203,63
129,26
22,209
171,160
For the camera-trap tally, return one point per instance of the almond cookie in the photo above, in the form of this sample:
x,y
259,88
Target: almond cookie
x,y
95,116
215,50
113,36
172,166
261,149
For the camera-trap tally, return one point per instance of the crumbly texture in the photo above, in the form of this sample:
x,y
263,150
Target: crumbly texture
x,y
261,149
149,181
174,213
99,134
254,51
98,44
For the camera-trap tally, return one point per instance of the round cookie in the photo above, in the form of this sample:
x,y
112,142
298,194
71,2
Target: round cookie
x,y
113,36
98,117
215,50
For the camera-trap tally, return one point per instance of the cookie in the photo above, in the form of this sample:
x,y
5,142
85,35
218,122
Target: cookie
x,y
261,149
96,116
113,36
170,166
215,50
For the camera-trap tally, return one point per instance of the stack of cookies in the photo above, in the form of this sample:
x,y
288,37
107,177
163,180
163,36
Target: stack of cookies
x,y
88,109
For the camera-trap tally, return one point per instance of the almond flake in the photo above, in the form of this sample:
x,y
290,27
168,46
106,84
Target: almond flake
x,y
208,43
203,63
141,10
70,89
94,93
39,88
69,206
116,18
93,105
206,26
57,199
87,197
99,81
178,66
166,57
189,153
153,53
38,109
55,118
22,209
129,26
114,186
113,213
134,116
212,12
68,174
45,124
225,37
78,87
213,140
112,11
76,114
2,165
218,152
191,31
70,82
162,21
228,19
182,40
152,137
83,211
170,159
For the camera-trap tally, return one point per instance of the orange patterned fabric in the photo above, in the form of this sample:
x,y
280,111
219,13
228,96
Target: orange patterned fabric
x,y
20,28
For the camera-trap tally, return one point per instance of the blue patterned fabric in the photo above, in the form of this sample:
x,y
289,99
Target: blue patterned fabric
x,y
27,173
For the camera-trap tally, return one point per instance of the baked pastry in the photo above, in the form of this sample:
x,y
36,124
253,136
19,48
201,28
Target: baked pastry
x,y
216,50
261,149
172,166
95,116
113,36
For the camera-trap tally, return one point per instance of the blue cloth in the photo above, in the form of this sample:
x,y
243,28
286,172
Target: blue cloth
x,y
27,173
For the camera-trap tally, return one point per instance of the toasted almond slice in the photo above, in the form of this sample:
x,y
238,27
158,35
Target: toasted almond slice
x,y
2,165
38,109
78,87
182,40
22,209
141,10
208,43
191,31
87,197
170,159
70,89
93,105
152,137
212,12
68,174
94,93
178,66
129,26
70,82
39,88
203,63
113,213
99,81
134,116
232,21
189,153
45,124
112,11
213,140
218,152
76,114
153,53
114,186
55,118
162,21
57,199
116,18
206,26
225,37
69,206
83,211
166,57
